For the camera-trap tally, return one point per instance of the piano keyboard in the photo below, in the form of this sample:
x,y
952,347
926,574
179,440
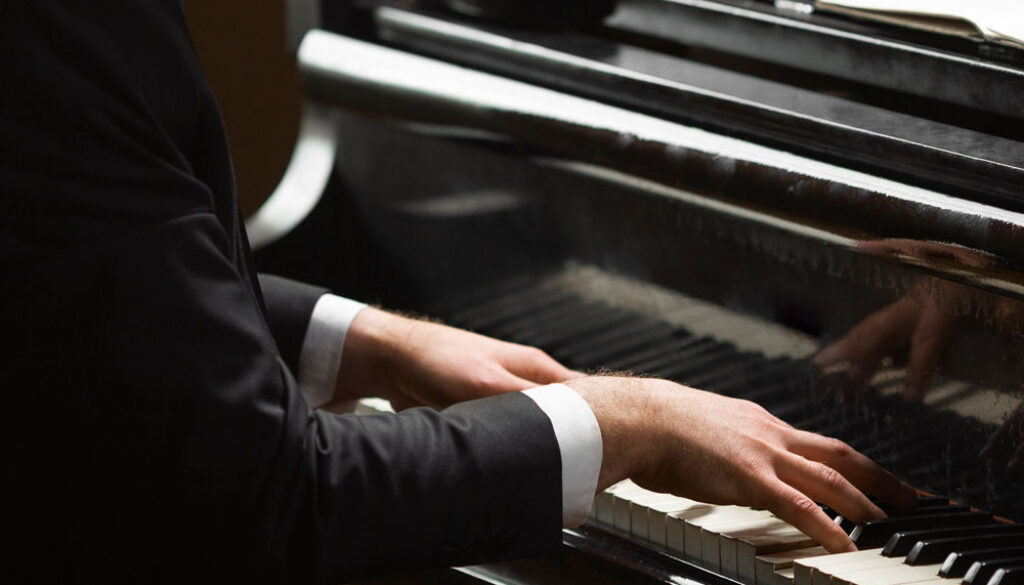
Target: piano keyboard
x,y
590,320
702,345
938,543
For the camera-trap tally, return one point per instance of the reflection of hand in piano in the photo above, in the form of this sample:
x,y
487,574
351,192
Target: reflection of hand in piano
x,y
716,449
923,320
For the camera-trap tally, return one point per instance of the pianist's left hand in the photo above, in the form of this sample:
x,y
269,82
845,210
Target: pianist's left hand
x,y
412,362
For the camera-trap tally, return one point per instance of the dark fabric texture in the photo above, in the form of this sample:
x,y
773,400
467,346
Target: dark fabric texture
x,y
154,432
289,307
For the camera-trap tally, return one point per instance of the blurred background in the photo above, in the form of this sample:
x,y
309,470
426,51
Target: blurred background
x,y
257,85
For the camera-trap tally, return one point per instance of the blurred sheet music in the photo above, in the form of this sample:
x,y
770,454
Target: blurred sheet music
x,y
994,20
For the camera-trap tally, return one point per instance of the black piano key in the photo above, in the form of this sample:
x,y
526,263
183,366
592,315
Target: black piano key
x,y
957,563
933,551
539,321
569,325
505,303
681,369
876,533
653,357
981,571
1008,576
514,311
597,350
848,525
564,334
902,543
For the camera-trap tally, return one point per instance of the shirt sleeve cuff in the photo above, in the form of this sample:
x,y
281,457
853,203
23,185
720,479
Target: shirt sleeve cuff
x,y
579,440
320,356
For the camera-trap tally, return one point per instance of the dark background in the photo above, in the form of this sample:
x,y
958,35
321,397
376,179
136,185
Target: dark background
x,y
242,48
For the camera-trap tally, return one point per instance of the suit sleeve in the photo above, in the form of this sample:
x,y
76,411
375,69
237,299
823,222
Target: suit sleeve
x,y
169,441
289,306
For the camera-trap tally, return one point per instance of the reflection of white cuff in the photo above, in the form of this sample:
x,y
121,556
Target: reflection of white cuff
x,y
579,440
321,349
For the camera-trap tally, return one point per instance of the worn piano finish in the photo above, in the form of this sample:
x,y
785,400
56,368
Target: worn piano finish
x,y
749,184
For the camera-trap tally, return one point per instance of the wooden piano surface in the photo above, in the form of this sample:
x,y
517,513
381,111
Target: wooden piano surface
x,y
758,228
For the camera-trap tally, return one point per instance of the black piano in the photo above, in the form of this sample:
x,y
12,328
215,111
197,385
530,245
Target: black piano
x,y
804,208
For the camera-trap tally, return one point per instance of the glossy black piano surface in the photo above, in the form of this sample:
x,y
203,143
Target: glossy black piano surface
x,y
846,249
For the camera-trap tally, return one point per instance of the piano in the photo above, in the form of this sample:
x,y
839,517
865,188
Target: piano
x,y
819,213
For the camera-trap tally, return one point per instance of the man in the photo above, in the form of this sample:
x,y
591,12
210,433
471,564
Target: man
x,y
157,431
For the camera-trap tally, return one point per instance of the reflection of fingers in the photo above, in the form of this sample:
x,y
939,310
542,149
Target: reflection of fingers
x,y
800,511
926,349
859,469
929,251
826,485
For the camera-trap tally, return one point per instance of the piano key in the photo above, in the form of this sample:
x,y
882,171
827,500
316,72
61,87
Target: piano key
x,y
712,535
705,528
506,308
949,509
783,576
739,549
676,531
890,575
603,511
621,501
627,511
544,319
957,563
935,551
642,510
981,571
901,543
825,575
767,566
1008,576
598,350
658,519
876,533
803,569
678,348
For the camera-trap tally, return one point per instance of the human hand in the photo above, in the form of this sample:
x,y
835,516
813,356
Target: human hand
x,y
720,450
924,320
418,363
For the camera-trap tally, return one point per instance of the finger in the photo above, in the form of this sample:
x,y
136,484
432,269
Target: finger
x,y
856,467
826,485
537,366
797,509
926,348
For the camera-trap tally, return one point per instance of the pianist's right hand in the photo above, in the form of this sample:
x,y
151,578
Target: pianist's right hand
x,y
670,438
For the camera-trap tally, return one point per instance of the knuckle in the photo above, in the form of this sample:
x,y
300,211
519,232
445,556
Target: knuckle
x,y
832,478
804,506
839,449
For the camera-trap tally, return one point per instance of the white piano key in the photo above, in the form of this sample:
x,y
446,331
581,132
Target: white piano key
x,y
898,574
695,525
711,536
783,576
621,503
603,503
655,506
675,528
740,548
765,566
824,575
804,568
658,518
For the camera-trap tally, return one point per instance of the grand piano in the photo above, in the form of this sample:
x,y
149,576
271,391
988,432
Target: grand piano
x,y
810,210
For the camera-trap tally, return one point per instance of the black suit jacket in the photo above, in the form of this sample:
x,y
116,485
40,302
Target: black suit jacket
x,y
154,429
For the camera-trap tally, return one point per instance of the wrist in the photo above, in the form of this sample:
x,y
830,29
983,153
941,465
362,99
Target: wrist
x,y
369,353
623,408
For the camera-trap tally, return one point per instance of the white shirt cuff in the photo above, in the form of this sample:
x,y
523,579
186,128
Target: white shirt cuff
x,y
579,440
321,349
